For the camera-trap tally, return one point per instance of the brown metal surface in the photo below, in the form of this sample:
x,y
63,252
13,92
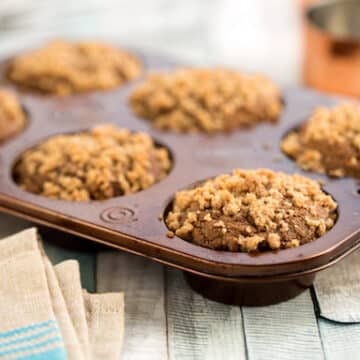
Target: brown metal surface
x,y
332,46
249,294
131,222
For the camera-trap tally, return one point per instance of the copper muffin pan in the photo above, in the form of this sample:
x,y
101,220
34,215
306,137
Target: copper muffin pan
x,y
131,223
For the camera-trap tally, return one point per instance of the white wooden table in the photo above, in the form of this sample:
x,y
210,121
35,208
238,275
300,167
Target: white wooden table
x,y
166,320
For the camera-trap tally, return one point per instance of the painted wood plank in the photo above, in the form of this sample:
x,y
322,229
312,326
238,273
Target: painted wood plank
x,y
338,290
199,328
283,331
340,341
142,281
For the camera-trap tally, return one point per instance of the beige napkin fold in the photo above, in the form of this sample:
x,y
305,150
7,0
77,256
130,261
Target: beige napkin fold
x,y
27,321
71,340
97,318
43,309
19,255
68,275
105,318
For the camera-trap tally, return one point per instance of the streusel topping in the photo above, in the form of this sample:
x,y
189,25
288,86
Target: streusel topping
x,y
254,210
12,116
99,164
207,100
329,142
64,68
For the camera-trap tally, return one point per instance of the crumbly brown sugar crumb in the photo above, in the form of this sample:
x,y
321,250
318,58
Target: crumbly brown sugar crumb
x,y
12,117
255,210
329,142
64,68
207,100
99,164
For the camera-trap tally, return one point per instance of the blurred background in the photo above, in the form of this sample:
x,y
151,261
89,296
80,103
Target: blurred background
x,y
269,36
252,35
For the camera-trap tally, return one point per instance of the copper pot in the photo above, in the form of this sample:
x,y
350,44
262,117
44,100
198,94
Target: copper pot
x,y
332,46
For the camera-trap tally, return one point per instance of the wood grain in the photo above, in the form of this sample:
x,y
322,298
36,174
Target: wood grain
x,y
283,331
199,328
142,282
338,290
340,341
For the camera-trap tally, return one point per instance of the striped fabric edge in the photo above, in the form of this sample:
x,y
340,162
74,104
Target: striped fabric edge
x,y
36,341
26,329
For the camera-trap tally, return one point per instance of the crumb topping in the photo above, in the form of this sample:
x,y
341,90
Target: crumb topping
x,y
12,117
255,210
207,100
64,68
99,164
329,142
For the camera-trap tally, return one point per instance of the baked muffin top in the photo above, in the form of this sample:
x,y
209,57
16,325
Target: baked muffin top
x,y
328,142
64,68
252,210
12,116
206,100
95,165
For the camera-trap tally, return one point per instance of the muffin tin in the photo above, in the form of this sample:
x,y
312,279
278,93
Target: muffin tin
x,y
132,223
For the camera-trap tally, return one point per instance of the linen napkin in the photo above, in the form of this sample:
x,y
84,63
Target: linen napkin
x,y
28,326
98,319
44,313
68,275
62,316
105,317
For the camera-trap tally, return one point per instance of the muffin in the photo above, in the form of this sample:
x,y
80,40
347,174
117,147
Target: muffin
x,y
95,165
12,117
64,68
252,210
206,100
329,141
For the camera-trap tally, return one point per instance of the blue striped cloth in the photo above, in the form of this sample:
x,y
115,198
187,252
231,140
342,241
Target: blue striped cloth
x,y
41,341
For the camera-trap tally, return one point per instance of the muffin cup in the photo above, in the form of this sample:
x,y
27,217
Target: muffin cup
x,y
131,223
